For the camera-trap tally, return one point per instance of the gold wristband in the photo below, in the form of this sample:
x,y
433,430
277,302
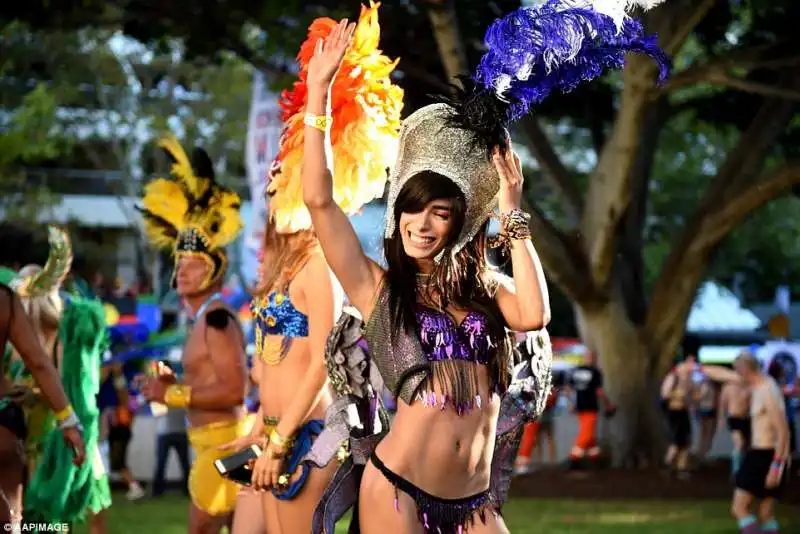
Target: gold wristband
x,y
280,442
319,122
178,396
64,414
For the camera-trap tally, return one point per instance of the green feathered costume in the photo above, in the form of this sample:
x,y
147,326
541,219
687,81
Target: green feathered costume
x,y
60,491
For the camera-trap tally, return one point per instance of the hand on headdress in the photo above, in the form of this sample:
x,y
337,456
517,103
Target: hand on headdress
x,y
328,55
509,168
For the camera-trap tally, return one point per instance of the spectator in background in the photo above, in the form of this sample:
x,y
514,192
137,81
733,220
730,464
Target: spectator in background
x,y
706,396
790,391
734,404
676,396
171,435
585,384
119,433
530,439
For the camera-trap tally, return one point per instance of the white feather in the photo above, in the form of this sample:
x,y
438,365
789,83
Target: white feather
x,y
618,9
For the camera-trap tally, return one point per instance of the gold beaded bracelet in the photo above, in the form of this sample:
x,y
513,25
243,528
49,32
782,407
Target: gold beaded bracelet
x,y
319,122
178,396
513,227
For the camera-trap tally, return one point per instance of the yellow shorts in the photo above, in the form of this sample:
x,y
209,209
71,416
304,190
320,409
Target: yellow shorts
x,y
209,491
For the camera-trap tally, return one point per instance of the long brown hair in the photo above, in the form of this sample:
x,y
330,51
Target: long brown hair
x,y
284,256
460,280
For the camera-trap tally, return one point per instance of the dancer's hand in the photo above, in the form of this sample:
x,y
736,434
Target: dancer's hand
x,y
509,168
73,438
328,55
153,388
165,374
267,470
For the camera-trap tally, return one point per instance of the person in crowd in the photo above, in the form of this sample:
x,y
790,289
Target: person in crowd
x,y
120,432
531,444
196,218
676,396
734,407
585,388
706,404
762,477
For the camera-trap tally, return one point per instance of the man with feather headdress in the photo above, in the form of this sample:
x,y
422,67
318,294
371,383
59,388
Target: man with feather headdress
x,y
196,219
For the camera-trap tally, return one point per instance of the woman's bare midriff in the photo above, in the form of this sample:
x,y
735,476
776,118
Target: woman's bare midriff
x,y
440,452
279,383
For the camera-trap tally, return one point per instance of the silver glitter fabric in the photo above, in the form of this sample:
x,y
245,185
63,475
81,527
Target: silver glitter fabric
x,y
398,355
524,401
428,144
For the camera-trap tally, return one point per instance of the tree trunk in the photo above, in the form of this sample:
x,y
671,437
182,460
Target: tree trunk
x,y
442,14
635,433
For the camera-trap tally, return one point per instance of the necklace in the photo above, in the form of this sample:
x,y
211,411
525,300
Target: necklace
x,y
424,280
201,310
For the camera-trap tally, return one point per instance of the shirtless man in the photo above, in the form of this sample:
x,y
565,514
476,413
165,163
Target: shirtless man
x,y
676,393
213,391
214,359
763,473
735,405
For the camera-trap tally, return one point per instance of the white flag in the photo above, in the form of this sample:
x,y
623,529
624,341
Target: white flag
x,y
263,137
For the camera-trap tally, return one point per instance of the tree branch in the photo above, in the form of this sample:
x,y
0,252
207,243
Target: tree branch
x,y
555,171
561,257
717,74
444,22
675,21
630,261
413,70
609,186
748,59
758,88
667,317
736,179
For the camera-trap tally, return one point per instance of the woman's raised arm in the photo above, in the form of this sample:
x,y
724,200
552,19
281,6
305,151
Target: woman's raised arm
x,y
357,274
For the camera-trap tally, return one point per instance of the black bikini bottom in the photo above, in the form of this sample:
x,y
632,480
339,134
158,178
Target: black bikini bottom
x,y
13,418
437,515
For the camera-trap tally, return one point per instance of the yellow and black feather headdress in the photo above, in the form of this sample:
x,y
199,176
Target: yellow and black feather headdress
x,y
191,214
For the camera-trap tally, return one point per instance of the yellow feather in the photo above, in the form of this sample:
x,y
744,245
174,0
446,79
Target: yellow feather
x,y
182,168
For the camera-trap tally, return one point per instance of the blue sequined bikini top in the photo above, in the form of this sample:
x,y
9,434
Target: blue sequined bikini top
x,y
275,315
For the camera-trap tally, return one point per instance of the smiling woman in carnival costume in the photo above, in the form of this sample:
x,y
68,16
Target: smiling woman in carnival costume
x,y
437,319
298,300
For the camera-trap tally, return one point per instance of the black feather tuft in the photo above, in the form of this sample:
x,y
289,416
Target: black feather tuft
x,y
201,164
481,112
169,230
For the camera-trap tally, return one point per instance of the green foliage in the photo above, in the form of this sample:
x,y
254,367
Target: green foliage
x,y
25,136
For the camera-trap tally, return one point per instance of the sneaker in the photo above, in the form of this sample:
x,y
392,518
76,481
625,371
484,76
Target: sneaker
x,y
135,492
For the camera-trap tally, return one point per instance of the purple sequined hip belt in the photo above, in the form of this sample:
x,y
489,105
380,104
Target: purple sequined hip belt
x,y
437,515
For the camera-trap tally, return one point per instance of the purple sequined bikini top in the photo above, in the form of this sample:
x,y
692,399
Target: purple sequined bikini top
x,y
442,339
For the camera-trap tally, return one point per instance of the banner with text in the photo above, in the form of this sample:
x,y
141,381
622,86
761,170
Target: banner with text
x,y
263,137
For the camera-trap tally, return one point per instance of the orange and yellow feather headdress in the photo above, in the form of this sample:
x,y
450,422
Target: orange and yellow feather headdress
x,y
365,107
192,214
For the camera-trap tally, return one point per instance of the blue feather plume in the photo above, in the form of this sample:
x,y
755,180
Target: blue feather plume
x,y
535,51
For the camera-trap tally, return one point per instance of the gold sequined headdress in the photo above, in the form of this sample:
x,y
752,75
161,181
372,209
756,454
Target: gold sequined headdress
x,y
192,215
50,278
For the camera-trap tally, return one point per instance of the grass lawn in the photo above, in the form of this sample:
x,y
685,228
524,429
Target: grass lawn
x,y
168,516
